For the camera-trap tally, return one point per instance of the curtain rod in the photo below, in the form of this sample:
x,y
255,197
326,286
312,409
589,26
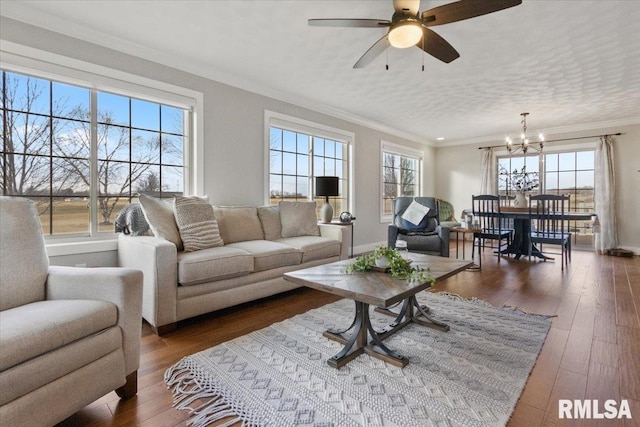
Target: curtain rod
x,y
556,140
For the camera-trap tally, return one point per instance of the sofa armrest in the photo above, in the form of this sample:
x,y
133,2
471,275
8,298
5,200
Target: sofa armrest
x,y
392,235
342,233
120,286
445,237
158,260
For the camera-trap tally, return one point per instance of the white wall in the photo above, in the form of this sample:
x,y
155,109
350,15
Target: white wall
x,y
234,135
458,176
234,146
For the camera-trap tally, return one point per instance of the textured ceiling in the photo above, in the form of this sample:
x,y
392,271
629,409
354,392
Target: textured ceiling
x,y
572,65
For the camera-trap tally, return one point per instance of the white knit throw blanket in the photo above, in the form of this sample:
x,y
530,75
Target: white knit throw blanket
x,y
471,375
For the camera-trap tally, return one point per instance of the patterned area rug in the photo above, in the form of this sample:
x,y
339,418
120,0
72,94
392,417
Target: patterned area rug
x,y
472,375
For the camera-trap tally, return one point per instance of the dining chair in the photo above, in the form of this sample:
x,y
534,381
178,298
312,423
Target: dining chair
x,y
549,223
506,200
486,211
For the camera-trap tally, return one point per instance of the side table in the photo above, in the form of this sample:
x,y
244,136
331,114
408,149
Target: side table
x,y
464,232
346,224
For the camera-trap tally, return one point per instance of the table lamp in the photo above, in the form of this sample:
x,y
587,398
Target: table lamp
x,y
326,186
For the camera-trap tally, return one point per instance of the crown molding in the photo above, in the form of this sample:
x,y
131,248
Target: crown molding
x,y
60,25
494,139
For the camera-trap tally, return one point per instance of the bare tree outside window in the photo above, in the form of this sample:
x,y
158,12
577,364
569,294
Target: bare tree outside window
x,y
399,178
47,146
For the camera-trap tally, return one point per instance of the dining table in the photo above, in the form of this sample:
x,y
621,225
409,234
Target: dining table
x,y
522,219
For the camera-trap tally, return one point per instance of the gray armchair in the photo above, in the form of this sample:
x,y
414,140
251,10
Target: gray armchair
x,y
429,238
68,336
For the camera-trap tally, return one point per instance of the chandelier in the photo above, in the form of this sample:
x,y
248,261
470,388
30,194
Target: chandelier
x,y
513,147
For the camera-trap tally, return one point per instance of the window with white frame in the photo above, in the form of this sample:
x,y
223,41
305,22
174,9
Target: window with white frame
x,y
82,153
401,175
566,172
299,151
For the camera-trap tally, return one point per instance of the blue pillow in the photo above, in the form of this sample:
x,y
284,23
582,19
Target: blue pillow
x,y
406,225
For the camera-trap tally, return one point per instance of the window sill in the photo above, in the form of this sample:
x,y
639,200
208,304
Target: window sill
x,y
74,248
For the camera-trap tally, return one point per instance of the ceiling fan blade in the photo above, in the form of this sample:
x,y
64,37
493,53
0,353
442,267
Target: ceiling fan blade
x,y
464,9
352,23
373,52
436,46
410,6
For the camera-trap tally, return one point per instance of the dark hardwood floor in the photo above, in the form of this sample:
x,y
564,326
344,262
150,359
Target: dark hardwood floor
x,y
591,352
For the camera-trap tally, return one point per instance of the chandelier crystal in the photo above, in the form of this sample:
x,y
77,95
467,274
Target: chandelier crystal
x,y
513,147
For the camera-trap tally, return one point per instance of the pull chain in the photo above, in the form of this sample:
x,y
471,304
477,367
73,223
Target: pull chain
x,y
387,66
423,54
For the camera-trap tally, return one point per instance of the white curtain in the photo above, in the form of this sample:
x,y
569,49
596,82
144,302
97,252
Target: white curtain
x,y
607,237
488,177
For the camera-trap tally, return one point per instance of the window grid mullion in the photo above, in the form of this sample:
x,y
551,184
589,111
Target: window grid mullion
x,y
50,88
93,163
312,172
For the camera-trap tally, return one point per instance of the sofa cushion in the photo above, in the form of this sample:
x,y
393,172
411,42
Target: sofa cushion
x,y
24,265
162,221
238,224
31,330
213,264
20,379
270,220
268,254
313,247
196,222
298,219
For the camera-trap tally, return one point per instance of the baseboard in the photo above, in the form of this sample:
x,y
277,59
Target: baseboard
x,y
361,249
636,251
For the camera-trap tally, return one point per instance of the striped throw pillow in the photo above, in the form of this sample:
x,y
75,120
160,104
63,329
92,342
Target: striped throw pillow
x,y
197,223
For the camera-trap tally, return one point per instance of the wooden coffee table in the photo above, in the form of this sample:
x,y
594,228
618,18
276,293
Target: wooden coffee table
x,y
381,290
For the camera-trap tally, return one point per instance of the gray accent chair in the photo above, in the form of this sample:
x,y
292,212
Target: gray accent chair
x,y
68,335
431,239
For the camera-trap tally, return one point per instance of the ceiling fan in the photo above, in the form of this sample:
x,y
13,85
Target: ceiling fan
x,y
410,28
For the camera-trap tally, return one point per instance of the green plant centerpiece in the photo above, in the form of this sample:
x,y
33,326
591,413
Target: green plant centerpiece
x,y
398,267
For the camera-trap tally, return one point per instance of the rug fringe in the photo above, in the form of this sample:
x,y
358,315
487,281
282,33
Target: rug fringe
x,y
485,303
522,310
461,298
186,390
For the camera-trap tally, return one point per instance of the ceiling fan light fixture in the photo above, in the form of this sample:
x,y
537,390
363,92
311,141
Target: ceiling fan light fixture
x,y
405,34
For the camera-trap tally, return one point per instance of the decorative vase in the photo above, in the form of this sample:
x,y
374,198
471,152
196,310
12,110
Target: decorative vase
x,y
382,262
520,201
326,213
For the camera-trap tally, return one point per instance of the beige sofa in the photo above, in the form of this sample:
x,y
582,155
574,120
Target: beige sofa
x,y
259,246
68,336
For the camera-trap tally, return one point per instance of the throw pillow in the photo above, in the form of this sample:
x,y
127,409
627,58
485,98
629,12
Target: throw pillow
x,y
238,224
415,213
159,215
406,225
270,220
196,222
298,219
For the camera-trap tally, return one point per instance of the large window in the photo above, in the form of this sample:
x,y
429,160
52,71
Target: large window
x,y
571,172
297,155
401,172
81,154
